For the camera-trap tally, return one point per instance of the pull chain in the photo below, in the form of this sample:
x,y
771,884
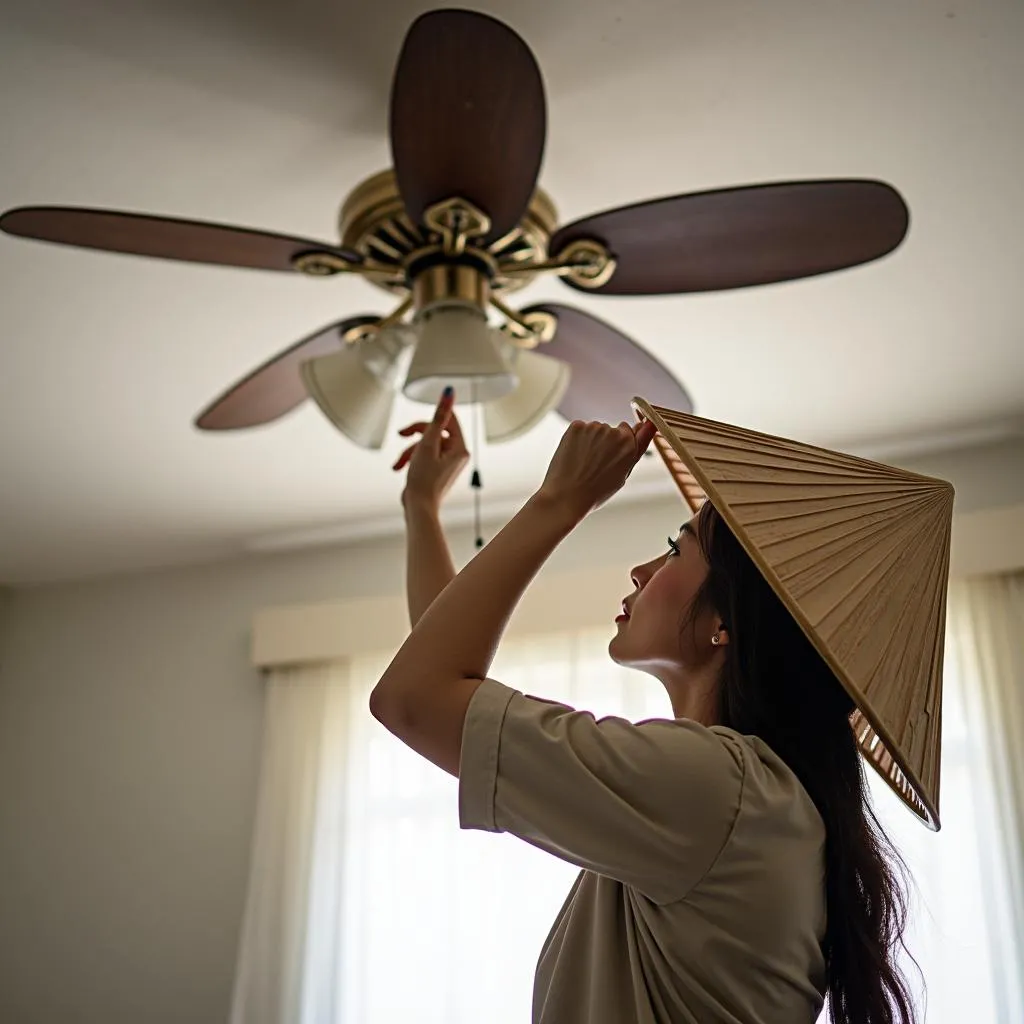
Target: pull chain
x,y
475,481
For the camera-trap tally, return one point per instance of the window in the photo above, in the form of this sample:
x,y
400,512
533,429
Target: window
x,y
947,934
440,925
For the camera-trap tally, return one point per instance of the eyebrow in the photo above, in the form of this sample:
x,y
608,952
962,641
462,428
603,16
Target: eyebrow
x,y
687,528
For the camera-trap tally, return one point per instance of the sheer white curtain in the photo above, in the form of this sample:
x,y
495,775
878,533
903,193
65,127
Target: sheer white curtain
x,y
947,935
289,953
441,925
407,918
987,639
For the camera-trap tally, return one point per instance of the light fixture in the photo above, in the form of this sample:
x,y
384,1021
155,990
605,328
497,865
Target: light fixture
x,y
542,383
457,347
356,387
448,343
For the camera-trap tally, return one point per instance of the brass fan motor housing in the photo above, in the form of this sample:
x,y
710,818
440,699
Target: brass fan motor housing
x,y
374,223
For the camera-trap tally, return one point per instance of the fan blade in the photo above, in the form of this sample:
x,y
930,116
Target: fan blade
x,y
732,238
608,368
164,237
276,386
468,117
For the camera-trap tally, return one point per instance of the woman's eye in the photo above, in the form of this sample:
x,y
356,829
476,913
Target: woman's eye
x,y
673,548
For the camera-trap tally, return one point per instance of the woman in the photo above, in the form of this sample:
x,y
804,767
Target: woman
x,y
731,868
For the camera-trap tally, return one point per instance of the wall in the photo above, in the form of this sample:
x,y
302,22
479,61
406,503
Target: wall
x,y
130,722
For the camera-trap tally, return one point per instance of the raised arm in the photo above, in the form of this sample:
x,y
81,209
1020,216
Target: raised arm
x,y
435,462
423,696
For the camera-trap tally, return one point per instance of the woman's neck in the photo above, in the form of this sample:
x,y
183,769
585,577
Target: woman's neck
x,y
694,696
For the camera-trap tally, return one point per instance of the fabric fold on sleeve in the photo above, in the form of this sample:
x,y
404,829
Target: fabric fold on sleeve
x,y
650,804
478,759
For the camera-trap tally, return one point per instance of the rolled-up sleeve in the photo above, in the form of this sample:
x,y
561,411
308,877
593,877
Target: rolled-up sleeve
x,y
651,805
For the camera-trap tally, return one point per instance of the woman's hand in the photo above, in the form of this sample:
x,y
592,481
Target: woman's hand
x,y
592,462
437,459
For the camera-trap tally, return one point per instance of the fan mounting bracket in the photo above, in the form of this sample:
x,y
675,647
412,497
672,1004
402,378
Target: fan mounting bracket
x,y
587,263
584,261
526,330
362,332
326,264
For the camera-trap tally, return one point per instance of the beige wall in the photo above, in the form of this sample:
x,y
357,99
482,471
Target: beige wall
x,y
130,724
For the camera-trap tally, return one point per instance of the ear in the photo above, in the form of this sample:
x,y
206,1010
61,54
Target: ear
x,y
723,637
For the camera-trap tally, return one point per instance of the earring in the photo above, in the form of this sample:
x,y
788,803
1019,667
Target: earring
x,y
716,639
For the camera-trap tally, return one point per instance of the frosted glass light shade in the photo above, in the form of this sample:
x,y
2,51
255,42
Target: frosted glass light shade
x,y
542,383
457,347
355,387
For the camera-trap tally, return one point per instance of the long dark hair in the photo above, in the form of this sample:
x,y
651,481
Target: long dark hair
x,y
776,686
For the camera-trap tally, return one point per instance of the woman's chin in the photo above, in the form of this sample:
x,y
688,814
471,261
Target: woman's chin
x,y
615,646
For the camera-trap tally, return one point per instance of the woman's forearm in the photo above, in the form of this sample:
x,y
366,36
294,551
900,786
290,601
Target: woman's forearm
x,y
426,692
457,635
428,562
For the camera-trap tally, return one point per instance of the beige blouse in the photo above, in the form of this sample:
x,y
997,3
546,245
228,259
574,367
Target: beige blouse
x,y
702,892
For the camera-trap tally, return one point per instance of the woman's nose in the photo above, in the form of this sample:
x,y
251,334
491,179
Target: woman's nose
x,y
640,574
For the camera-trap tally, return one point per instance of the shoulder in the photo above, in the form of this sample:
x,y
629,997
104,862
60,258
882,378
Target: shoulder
x,y
707,749
771,788
648,744
675,764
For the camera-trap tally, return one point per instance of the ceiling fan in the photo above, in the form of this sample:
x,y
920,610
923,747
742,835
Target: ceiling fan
x,y
459,225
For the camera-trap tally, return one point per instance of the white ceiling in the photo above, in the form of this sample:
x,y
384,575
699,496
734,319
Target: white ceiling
x,y
264,114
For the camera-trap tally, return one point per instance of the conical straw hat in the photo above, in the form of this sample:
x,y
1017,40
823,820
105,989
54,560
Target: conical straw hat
x,y
859,554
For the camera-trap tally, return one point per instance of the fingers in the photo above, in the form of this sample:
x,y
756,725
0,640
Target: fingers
x,y
452,431
641,434
455,431
414,428
441,435
444,406
638,435
403,459
644,432
442,414
444,432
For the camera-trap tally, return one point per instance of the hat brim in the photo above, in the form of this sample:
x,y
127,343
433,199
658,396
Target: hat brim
x,y
877,744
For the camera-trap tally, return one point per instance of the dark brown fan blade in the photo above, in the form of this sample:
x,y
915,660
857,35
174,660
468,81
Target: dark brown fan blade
x,y
608,369
165,237
732,238
468,117
275,387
